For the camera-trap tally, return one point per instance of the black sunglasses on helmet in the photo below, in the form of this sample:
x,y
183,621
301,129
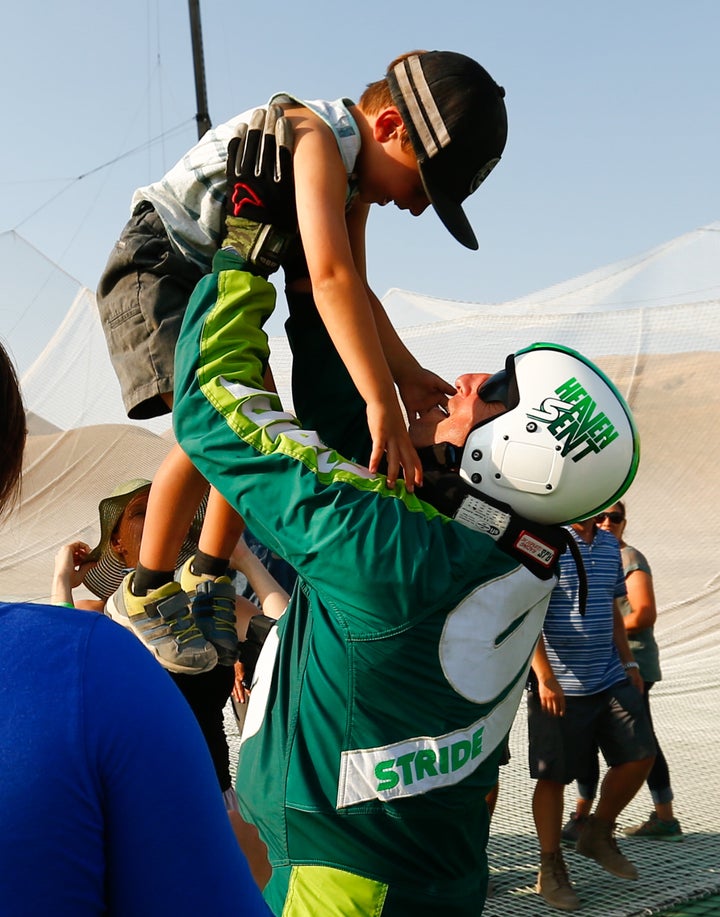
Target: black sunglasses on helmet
x,y
502,386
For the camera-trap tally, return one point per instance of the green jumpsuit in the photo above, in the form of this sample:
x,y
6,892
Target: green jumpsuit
x,y
385,693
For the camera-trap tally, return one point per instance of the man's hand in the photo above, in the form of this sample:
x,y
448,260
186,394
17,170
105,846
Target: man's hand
x,y
552,696
636,679
261,218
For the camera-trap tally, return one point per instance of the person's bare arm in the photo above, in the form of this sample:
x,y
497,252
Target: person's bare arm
x,y
69,571
623,647
551,694
271,595
341,296
641,595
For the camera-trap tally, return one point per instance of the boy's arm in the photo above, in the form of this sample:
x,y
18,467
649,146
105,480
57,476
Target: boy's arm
x,y
341,296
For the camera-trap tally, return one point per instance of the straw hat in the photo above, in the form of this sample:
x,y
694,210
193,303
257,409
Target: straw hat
x,y
106,576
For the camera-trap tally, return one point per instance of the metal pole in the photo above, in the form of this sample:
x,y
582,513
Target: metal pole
x,y
202,117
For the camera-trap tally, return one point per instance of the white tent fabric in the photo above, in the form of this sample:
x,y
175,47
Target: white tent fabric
x,y
682,271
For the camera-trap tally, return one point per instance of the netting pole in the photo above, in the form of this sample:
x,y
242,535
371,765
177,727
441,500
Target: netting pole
x,y
202,117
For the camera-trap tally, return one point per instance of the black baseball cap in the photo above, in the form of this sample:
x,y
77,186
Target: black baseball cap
x,y
454,113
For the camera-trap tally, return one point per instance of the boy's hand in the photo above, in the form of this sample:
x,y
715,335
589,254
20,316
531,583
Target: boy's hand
x,y
423,390
390,436
261,217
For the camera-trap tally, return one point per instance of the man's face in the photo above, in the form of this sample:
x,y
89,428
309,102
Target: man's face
x,y
465,410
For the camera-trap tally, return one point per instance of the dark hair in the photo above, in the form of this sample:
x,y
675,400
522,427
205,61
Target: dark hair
x,y
13,432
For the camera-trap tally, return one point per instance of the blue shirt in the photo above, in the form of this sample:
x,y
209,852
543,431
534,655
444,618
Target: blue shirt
x,y
109,802
580,648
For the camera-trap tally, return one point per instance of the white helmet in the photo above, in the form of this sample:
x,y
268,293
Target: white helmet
x,y
567,445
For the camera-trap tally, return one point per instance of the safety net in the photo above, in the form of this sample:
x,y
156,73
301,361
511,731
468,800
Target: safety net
x,y
650,322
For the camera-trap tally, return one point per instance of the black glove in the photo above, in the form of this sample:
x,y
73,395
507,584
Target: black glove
x,y
249,648
261,219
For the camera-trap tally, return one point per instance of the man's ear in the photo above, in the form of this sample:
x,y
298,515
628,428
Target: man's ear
x,y
388,125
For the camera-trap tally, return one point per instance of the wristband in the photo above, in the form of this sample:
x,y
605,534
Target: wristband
x,y
630,665
260,245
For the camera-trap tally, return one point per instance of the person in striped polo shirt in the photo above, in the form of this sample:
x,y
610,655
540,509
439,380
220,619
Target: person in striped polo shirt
x,y
585,692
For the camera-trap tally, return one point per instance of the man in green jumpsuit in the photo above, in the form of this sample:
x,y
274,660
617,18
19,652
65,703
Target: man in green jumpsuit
x,y
382,700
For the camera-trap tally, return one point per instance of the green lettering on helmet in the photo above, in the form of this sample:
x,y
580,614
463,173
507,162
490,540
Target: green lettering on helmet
x,y
578,424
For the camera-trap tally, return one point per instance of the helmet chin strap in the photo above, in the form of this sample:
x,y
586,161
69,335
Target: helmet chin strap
x,y
444,489
538,547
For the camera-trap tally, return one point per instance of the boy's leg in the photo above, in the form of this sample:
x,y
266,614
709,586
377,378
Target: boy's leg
x,y
149,602
221,529
176,493
205,579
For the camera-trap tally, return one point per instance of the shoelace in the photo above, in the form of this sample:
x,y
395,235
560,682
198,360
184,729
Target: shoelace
x,y
186,628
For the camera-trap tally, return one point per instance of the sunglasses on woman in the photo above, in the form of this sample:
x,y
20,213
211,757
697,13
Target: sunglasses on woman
x,y
615,518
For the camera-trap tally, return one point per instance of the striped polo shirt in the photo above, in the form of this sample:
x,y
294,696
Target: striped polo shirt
x,y
580,648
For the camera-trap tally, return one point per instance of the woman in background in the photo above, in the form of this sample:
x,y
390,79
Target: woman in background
x,y
639,614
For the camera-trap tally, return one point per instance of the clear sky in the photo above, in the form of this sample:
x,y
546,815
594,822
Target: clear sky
x,y
613,110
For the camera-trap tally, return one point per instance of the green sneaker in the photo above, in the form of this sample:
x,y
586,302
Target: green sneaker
x,y
213,608
162,621
656,828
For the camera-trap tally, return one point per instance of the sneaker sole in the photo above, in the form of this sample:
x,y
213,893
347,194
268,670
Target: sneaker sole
x,y
654,837
122,619
557,905
613,872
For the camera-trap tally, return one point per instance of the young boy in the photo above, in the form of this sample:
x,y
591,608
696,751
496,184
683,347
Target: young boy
x,y
429,132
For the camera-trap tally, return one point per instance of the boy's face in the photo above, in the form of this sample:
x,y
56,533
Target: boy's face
x,y
391,173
